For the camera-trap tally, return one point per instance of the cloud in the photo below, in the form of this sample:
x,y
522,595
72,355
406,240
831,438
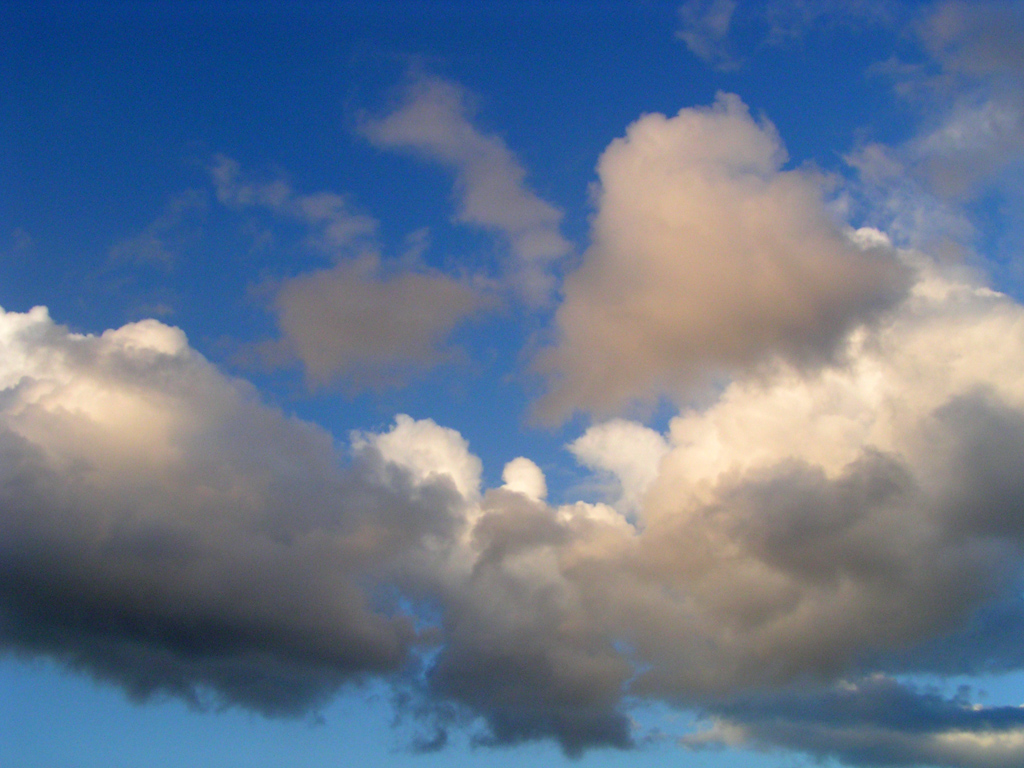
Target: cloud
x,y
793,19
711,28
333,228
874,721
628,453
806,529
981,129
434,122
355,323
361,322
523,476
428,452
804,532
704,27
968,147
707,260
160,241
165,531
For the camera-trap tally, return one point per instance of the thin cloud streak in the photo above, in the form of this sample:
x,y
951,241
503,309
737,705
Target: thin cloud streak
x,y
434,121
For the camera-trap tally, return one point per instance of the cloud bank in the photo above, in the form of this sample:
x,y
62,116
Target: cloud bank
x,y
841,510
793,542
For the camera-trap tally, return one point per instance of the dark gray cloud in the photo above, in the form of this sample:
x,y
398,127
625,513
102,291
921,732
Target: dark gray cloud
x,y
877,721
166,531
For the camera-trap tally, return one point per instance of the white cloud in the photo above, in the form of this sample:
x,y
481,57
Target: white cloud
x,y
434,122
428,452
631,453
523,476
707,260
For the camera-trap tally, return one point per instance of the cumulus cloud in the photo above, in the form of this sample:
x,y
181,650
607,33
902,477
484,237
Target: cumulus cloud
x,y
627,453
773,552
165,530
707,260
523,476
357,324
434,121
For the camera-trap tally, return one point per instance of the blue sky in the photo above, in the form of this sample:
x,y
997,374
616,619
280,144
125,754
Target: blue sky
x,y
511,383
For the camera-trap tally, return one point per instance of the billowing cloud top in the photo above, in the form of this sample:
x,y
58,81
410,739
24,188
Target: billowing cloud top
x,y
167,531
707,260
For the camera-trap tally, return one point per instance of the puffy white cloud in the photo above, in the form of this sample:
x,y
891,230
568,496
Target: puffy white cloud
x,y
707,260
434,121
523,476
428,452
630,452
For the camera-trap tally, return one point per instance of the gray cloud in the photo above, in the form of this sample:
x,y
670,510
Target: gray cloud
x,y
363,322
166,531
354,324
876,721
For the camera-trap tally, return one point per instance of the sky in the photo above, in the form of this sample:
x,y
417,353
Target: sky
x,y
512,383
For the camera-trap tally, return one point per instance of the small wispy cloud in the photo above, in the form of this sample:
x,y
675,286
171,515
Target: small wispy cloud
x,y
434,120
162,240
333,228
704,28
